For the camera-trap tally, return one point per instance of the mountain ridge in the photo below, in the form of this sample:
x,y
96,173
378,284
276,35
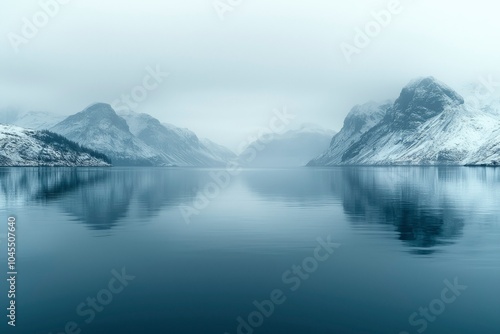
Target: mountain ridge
x,y
429,124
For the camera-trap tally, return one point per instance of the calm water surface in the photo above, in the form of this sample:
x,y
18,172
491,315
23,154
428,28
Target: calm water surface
x,y
402,235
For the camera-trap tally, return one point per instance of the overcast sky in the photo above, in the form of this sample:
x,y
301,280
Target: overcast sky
x,y
226,76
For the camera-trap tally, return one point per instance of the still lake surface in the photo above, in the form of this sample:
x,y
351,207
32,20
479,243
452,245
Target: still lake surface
x,y
400,234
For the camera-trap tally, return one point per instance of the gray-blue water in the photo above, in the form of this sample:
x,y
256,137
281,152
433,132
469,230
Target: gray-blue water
x,y
341,250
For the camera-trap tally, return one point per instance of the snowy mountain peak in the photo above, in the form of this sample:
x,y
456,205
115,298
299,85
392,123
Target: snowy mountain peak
x,y
100,115
421,100
131,138
98,106
99,110
430,86
364,116
100,128
360,119
429,124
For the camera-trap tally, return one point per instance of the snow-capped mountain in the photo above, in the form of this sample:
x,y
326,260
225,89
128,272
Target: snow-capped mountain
x,y
24,147
36,120
293,148
361,119
100,128
176,146
130,138
429,124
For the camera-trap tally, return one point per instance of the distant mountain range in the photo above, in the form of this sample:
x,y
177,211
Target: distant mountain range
x,y
429,124
294,148
173,145
133,139
22,147
35,120
128,138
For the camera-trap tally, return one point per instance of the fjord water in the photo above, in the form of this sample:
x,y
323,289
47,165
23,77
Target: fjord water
x,y
404,235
